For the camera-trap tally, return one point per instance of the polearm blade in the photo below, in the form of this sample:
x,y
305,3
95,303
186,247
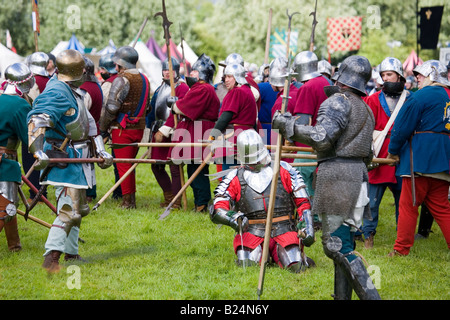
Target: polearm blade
x,y
166,25
276,171
313,30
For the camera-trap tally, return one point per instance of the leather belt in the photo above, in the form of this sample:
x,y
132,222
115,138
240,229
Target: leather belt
x,y
11,154
263,221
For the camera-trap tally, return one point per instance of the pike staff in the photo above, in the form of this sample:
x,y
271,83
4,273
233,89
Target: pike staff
x,y
313,29
276,172
166,25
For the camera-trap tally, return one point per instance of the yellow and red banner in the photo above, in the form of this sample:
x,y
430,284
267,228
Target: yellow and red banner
x,y
344,34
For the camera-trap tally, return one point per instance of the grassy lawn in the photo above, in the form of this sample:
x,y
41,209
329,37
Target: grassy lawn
x,y
131,255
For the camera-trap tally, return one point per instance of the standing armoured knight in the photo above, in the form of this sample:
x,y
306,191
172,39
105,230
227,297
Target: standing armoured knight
x,y
124,114
241,202
59,125
13,124
342,137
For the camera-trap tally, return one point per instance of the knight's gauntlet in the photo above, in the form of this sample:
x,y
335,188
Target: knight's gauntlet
x,y
236,220
102,153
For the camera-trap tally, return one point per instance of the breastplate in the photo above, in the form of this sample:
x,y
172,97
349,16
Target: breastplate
x,y
78,129
162,112
254,205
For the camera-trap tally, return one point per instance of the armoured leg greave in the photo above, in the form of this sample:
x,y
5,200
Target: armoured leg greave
x,y
74,208
248,257
350,275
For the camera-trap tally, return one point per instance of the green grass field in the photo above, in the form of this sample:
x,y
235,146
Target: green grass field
x,y
131,255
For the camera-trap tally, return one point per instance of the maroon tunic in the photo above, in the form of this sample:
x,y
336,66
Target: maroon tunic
x,y
162,153
200,108
41,82
96,94
241,102
310,96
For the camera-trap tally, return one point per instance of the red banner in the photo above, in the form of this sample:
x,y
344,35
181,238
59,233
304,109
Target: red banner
x,y
344,34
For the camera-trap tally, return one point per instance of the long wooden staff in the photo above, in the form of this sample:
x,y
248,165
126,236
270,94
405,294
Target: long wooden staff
x,y
140,32
276,171
194,175
117,184
166,25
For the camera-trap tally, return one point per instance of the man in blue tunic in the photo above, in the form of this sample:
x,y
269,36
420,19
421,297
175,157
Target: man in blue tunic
x,y
59,125
420,143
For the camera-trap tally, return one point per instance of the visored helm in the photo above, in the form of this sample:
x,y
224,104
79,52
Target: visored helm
x,y
434,69
355,72
90,70
20,76
237,71
126,57
250,148
278,71
38,62
175,66
306,66
70,65
392,64
205,67
107,63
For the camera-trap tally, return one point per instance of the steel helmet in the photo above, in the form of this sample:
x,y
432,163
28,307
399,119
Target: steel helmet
x,y
250,147
106,63
70,65
20,76
38,62
126,57
355,72
237,71
306,66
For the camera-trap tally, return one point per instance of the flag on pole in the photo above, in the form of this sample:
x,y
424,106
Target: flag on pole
x,y
278,41
8,39
35,17
9,43
430,25
344,34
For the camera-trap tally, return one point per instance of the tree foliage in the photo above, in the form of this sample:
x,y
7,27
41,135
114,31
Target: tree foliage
x,y
217,29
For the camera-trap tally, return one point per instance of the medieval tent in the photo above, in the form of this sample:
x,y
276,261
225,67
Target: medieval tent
x,y
7,58
154,48
110,48
189,54
410,63
73,43
149,65
175,53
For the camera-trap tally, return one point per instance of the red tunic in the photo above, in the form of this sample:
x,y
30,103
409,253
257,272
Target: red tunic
x,y
384,173
162,153
41,82
96,94
241,102
200,108
310,96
